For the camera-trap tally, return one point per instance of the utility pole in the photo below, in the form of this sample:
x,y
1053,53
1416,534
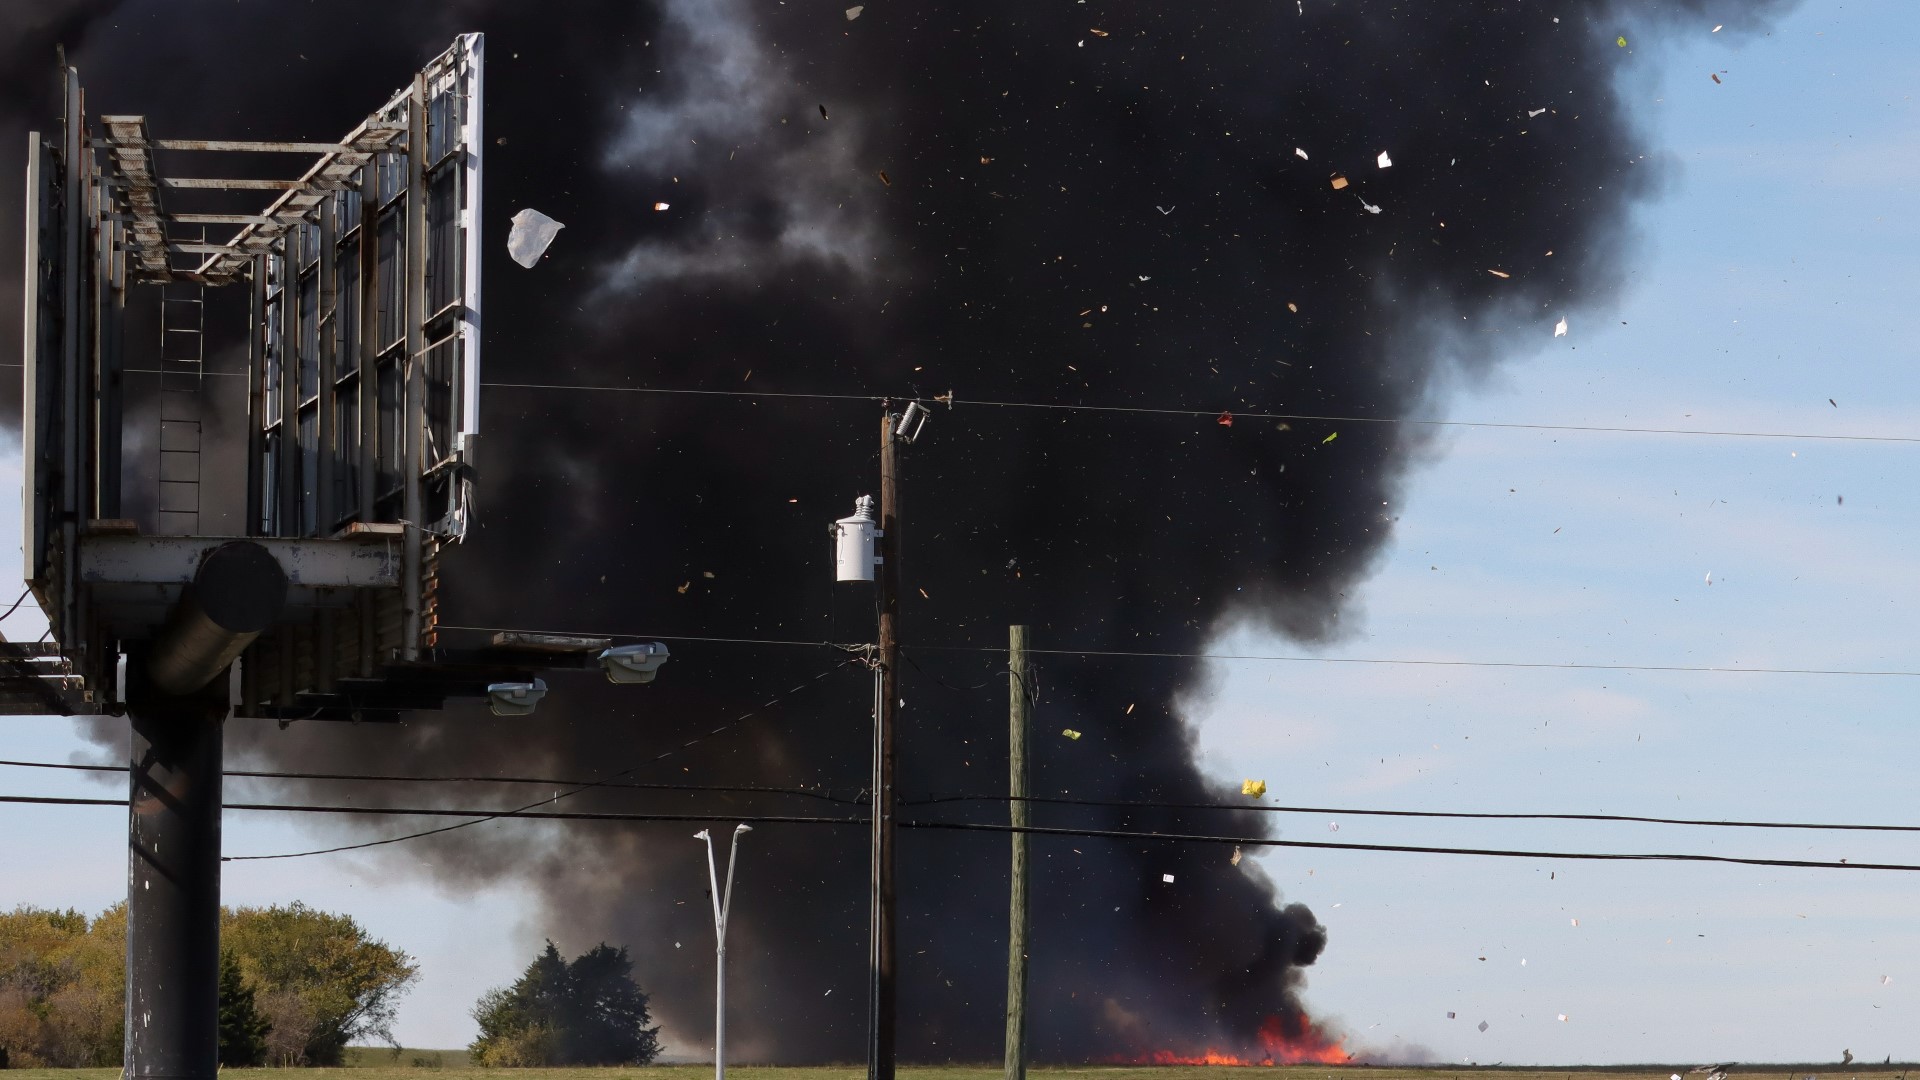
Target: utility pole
x,y
1018,701
881,1043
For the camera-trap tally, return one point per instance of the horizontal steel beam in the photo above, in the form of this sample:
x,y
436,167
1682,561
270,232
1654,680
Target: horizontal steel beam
x,y
250,147
234,185
200,247
171,560
228,219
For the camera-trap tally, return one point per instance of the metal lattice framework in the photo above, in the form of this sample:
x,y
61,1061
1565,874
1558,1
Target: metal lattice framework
x,y
361,399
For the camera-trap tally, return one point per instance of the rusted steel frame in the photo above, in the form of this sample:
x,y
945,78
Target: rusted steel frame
x,y
131,152
250,147
331,172
413,417
256,401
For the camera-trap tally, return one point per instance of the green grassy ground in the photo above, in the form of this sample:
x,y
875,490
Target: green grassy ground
x,y
383,1065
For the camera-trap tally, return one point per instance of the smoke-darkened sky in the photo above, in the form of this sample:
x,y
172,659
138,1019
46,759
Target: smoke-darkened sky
x,y
1068,203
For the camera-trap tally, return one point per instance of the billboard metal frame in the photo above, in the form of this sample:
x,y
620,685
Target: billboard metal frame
x,y
363,379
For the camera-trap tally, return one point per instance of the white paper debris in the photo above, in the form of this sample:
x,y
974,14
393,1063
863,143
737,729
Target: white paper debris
x,y
1235,861
854,12
676,944
1531,113
1299,153
1523,961
1367,206
1560,328
1717,28
1885,979
1168,878
660,206
1385,161
1709,577
1333,826
532,232
1576,922
1563,1018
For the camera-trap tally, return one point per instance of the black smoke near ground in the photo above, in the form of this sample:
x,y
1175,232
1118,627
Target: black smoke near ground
x,y
1096,203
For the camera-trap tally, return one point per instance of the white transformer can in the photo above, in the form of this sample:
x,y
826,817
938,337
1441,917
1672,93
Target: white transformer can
x,y
853,543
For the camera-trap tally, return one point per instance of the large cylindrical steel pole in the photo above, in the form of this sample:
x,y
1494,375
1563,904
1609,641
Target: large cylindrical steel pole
x,y
173,881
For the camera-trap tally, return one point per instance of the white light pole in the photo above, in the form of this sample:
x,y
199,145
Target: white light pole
x,y
721,902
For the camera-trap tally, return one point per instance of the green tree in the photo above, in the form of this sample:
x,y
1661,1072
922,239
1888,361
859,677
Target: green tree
x,y
322,981
62,987
589,1012
243,1030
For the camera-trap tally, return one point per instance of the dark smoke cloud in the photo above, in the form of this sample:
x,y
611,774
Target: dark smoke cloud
x,y
1094,202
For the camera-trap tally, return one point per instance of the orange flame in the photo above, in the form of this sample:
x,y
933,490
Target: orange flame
x,y
1283,1041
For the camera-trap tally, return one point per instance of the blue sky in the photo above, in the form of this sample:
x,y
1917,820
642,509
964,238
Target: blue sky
x,y
1775,270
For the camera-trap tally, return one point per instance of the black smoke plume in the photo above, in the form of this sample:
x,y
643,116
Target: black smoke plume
x,y
1055,202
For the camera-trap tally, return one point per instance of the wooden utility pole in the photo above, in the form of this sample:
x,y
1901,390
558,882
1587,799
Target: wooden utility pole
x,y
1018,701
880,1050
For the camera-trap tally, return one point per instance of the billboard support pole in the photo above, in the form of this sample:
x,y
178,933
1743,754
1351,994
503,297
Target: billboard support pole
x,y
173,881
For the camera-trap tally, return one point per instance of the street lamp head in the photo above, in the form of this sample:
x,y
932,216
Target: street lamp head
x,y
738,829
633,663
702,835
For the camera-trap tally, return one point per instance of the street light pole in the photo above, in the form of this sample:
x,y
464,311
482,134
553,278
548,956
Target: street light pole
x,y
721,904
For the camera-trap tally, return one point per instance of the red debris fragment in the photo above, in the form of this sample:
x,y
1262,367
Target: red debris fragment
x,y
1226,419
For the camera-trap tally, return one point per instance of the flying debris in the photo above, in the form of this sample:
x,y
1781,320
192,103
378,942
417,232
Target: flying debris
x,y
1164,210
1235,860
1367,206
660,206
1384,161
1560,328
532,232
1299,153
1339,181
854,11
1255,788
1225,419
1168,878
1483,1025
1531,113
1071,734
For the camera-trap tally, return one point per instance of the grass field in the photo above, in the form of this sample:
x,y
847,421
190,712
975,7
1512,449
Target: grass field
x,y
383,1065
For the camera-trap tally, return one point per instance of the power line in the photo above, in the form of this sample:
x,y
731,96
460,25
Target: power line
x,y
1594,429
1503,853
1037,830
485,817
377,778
842,646
941,800
1524,664
1150,655
1211,413
1440,814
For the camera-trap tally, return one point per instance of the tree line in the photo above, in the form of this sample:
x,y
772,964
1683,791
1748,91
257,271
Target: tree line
x,y
297,986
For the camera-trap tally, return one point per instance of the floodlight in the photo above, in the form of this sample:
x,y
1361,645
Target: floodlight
x,y
633,663
515,698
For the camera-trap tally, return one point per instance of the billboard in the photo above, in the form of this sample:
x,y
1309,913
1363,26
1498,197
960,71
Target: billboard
x,y
360,409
